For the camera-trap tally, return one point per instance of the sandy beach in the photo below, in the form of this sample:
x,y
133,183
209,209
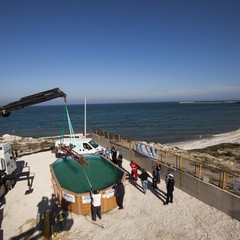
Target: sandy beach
x,y
230,137
143,216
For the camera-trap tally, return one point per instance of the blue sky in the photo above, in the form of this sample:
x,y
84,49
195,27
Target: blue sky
x,y
120,50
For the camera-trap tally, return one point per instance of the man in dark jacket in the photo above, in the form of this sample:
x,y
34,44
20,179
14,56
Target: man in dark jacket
x,y
119,193
154,178
170,188
144,179
114,155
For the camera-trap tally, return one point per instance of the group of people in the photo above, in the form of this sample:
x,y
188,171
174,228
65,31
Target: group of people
x,y
119,186
169,179
119,190
96,199
144,175
115,156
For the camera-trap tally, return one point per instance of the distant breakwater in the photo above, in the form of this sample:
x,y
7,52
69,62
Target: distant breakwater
x,y
211,102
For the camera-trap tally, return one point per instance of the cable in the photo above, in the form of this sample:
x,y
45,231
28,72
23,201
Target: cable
x,y
72,135
87,179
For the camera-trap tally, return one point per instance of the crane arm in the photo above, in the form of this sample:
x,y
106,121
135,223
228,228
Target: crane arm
x,y
5,111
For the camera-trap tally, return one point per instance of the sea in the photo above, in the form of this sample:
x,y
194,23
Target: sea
x,y
160,122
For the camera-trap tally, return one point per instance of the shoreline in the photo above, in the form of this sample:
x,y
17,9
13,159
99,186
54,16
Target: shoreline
x,y
229,137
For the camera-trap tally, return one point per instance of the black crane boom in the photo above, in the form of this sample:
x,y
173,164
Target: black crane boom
x,y
6,110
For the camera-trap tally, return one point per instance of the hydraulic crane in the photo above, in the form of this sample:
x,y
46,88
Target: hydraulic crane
x,y
6,110
9,172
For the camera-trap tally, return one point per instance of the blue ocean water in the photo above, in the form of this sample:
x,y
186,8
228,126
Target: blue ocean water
x,y
155,122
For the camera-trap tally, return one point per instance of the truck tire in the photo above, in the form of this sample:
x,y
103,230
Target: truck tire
x,y
13,182
8,185
2,190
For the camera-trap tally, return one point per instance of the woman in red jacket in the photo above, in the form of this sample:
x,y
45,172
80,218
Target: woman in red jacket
x,y
134,173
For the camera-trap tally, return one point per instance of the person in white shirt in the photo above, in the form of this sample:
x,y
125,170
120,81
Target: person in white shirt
x,y
96,204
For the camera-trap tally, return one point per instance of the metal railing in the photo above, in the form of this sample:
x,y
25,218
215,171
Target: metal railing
x,y
216,176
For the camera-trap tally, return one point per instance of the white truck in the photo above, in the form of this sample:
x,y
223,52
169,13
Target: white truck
x,y
79,145
8,168
9,172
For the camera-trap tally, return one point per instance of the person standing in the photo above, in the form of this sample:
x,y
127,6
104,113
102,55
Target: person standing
x,y
119,193
60,220
154,178
114,155
96,205
107,153
158,169
120,160
170,188
134,173
144,178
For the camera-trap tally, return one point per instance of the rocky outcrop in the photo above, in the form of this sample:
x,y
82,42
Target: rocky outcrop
x,y
27,145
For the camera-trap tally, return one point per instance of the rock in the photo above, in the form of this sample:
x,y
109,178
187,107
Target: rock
x,y
9,137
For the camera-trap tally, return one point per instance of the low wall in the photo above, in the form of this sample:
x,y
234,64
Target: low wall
x,y
204,191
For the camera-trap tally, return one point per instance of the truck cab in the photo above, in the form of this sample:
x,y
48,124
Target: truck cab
x,y
8,168
79,145
8,163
